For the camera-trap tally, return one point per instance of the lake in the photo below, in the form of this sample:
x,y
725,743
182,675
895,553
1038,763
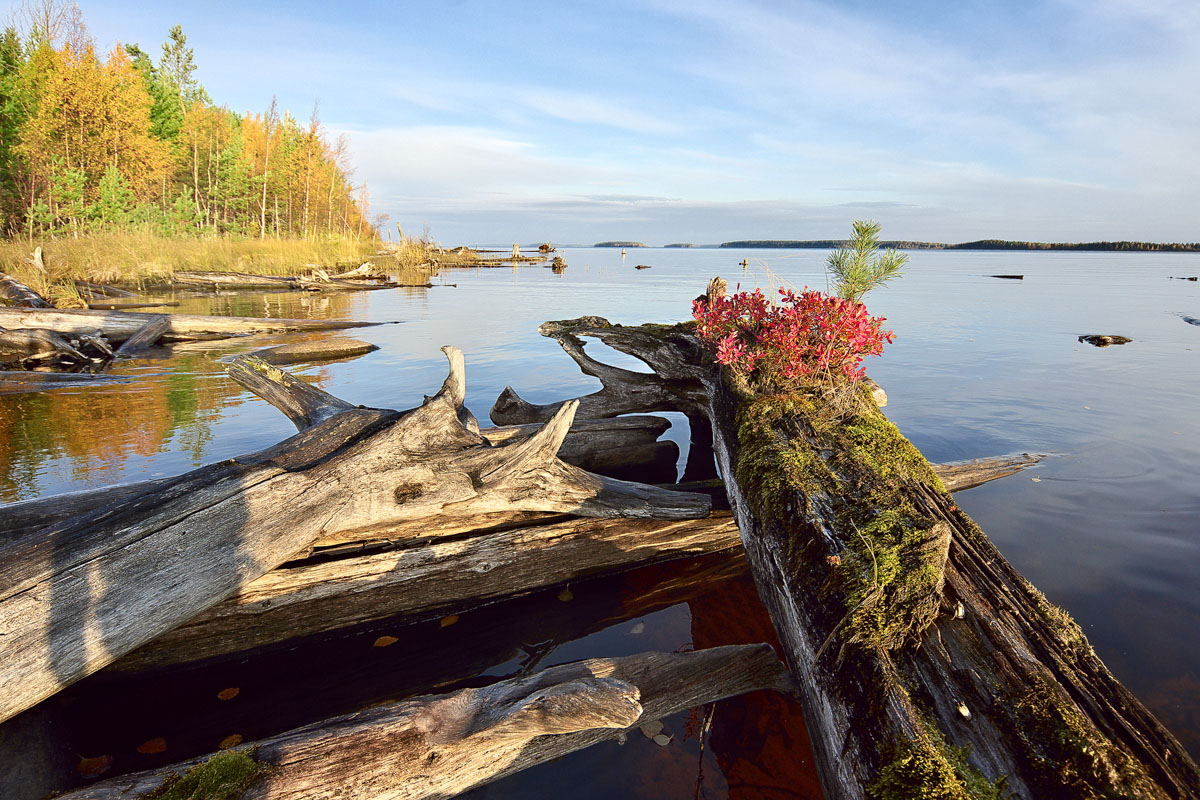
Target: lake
x,y
1108,525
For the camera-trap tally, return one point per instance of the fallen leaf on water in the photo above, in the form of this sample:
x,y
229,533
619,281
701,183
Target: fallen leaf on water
x,y
152,746
651,729
662,740
1036,479
384,641
448,621
228,694
233,740
639,628
94,767
566,596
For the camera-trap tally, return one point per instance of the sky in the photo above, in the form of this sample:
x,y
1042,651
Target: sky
x,y
705,121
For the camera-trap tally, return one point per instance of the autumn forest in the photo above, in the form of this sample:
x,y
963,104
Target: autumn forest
x,y
123,142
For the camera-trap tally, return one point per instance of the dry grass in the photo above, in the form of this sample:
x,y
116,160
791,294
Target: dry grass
x,y
143,259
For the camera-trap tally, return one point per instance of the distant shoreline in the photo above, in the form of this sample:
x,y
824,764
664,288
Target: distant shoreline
x,y
982,244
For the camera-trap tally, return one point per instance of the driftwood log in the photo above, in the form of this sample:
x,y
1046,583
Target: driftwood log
x,y
117,326
324,350
91,290
18,294
30,346
107,306
81,593
926,663
586,442
146,336
21,381
359,279
441,746
427,579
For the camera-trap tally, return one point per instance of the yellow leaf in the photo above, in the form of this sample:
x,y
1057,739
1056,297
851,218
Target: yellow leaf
x,y
228,694
94,767
566,596
152,746
233,740
448,621
384,641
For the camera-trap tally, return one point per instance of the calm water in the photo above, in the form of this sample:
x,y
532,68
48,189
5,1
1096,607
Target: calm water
x,y
1108,526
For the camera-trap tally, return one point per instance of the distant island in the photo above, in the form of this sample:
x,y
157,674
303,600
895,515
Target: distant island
x,y
981,244
680,244
618,244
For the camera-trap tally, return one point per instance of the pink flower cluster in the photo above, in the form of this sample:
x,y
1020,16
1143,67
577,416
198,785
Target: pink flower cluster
x,y
810,335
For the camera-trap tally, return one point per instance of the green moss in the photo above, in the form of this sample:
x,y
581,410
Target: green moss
x,y
773,469
1066,753
223,777
796,447
933,770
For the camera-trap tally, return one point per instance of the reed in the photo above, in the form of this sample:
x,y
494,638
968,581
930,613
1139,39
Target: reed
x,y
132,258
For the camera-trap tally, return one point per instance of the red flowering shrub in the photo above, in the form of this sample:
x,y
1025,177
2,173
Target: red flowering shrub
x,y
807,337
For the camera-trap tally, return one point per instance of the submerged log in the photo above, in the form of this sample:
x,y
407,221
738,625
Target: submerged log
x,y
926,662
81,593
427,579
21,381
18,294
958,476
118,326
441,746
324,350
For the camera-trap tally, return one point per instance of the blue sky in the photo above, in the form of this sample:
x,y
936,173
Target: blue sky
x,y
704,121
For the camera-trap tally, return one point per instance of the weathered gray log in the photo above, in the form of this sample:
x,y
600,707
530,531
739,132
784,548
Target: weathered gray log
x,y
118,326
101,290
241,280
364,271
146,337
323,350
427,579
951,647
958,476
441,746
23,381
129,306
16,293
83,592
586,439
624,391
30,345
592,445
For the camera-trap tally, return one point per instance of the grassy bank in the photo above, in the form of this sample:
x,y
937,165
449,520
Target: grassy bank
x,y
145,259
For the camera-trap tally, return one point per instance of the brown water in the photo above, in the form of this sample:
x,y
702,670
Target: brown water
x,y
1108,527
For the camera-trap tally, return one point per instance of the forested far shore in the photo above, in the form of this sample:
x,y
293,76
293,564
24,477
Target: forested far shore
x,y
981,244
127,144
